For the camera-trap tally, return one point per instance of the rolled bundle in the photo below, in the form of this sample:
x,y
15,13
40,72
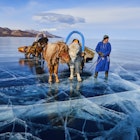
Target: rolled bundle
x,y
89,54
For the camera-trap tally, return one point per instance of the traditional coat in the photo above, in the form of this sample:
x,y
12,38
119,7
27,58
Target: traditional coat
x,y
103,61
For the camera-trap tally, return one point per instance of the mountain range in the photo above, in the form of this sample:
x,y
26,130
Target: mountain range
x,y
6,32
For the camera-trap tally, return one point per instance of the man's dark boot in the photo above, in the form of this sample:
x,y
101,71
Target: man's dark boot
x,y
96,75
106,75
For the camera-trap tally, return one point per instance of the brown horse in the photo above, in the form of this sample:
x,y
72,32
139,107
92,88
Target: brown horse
x,y
35,49
52,53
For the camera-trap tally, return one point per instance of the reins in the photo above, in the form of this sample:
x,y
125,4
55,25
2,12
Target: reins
x,y
95,63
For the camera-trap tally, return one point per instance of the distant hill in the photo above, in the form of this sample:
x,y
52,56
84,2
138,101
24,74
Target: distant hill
x,y
49,35
6,32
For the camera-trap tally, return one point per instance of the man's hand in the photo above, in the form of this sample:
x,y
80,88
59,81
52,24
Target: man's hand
x,y
101,54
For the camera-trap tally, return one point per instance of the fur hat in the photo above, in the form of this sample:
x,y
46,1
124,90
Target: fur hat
x,y
105,37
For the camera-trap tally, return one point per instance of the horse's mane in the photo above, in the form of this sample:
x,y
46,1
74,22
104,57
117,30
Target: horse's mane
x,y
59,42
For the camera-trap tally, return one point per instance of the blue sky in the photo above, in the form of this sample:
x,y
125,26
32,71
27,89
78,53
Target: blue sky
x,y
119,19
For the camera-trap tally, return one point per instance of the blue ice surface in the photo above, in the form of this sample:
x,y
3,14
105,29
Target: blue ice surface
x,y
31,108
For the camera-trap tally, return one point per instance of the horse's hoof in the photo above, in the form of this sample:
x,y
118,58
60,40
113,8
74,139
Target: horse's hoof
x,y
57,81
70,78
79,80
50,80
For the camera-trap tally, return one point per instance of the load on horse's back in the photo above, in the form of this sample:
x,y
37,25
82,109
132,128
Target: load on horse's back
x,y
88,52
35,50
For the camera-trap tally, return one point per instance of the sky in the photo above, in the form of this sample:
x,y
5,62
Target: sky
x,y
120,19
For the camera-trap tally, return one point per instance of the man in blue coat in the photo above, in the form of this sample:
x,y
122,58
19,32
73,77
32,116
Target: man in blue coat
x,y
103,49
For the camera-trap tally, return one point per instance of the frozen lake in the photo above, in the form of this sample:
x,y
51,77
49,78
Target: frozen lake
x,y
32,109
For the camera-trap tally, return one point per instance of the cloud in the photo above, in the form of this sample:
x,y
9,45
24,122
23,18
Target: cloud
x,y
58,18
117,16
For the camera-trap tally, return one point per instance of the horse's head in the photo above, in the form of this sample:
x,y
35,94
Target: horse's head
x,y
22,49
63,52
42,41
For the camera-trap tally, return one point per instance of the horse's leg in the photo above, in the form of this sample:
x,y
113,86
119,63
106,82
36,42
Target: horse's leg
x,y
36,54
39,55
42,62
25,55
28,55
82,65
56,73
77,70
50,73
